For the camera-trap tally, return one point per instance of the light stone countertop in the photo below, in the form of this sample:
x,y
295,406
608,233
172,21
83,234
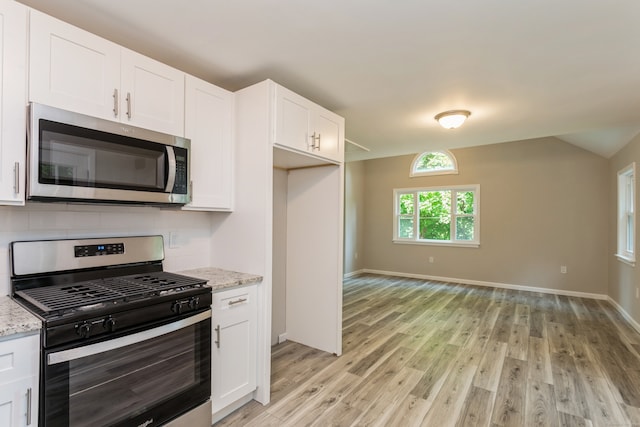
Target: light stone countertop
x,y
14,319
220,279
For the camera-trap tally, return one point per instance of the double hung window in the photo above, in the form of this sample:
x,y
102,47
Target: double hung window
x,y
626,214
438,215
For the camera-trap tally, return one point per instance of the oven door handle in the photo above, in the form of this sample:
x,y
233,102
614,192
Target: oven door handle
x,y
114,344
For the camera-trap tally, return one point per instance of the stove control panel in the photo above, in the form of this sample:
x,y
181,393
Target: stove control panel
x,y
97,250
181,306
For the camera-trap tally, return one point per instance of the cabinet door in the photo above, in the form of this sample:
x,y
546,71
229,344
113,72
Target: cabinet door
x,y
72,69
152,94
235,336
209,124
329,128
314,257
18,404
19,360
293,116
13,62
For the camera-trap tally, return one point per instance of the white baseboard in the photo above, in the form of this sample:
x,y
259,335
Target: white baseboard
x,y
490,284
626,315
282,338
353,273
218,415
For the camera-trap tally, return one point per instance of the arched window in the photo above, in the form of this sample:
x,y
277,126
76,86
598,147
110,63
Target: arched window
x,y
440,162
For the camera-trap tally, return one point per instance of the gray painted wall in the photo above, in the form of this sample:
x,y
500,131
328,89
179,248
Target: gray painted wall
x,y
544,203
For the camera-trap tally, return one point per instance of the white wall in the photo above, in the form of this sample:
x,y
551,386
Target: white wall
x,y
59,221
354,194
279,275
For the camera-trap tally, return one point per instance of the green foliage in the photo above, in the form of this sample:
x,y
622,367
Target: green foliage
x,y
433,161
435,215
406,204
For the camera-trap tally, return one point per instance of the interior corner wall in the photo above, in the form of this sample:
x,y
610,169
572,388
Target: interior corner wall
x,y
623,278
279,272
353,216
544,204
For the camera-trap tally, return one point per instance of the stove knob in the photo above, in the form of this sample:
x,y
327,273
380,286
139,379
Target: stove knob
x,y
83,329
176,307
109,324
194,302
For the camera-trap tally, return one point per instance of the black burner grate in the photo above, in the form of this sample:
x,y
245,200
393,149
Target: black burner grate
x,y
112,289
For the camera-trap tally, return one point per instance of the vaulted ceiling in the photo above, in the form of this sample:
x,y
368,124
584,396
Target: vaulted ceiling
x,y
525,69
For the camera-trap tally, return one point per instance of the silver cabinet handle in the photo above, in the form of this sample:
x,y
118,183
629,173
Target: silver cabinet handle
x,y
315,138
115,102
238,301
319,140
129,105
29,406
16,178
217,341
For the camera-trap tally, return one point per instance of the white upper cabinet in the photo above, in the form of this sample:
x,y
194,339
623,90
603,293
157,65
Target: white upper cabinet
x,y
152,94
307,127
13,87
75,70
209,125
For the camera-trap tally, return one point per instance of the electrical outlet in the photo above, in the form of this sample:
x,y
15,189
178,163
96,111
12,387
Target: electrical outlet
x,y
563,269
431,259
173,240
637,292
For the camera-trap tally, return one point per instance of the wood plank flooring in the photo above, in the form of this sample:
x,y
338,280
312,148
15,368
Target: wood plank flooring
x,y
421,353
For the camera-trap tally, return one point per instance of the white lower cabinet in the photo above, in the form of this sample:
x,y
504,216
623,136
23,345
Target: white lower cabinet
x,y
19,360
234,345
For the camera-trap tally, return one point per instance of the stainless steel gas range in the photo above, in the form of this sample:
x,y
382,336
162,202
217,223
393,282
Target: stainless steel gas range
x,y
124,343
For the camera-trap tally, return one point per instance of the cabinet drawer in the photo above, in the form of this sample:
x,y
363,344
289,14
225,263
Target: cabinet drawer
x,y
234,299
19,358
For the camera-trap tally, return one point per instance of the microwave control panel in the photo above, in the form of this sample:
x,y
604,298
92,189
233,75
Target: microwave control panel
x,y
181,182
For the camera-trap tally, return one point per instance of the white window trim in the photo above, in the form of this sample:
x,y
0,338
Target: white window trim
x,y
449,154
475,243
623,254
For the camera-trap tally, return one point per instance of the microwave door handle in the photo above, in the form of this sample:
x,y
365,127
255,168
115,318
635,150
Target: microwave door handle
x,y
171,176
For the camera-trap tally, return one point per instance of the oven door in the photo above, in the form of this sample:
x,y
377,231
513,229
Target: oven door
x,y
145,378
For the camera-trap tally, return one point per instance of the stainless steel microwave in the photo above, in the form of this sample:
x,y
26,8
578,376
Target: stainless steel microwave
x,y
74,157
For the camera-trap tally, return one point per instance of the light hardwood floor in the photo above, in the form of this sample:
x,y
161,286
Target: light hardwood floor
x,y
439,354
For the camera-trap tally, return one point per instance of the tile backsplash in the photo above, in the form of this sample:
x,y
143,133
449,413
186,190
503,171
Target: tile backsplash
x,y
191,231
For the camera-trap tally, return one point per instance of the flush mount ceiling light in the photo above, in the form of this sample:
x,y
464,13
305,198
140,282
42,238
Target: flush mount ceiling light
x,y
452,119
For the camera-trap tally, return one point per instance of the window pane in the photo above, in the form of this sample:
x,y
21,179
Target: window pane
x,y
435,203
435,228
464,228
434,161
405,228
464,202
406,204
630,234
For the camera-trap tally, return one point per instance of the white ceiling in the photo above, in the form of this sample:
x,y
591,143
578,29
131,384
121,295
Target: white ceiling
x,y
525,68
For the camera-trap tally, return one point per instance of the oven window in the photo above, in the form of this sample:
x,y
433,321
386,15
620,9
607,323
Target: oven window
x,y
118,385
